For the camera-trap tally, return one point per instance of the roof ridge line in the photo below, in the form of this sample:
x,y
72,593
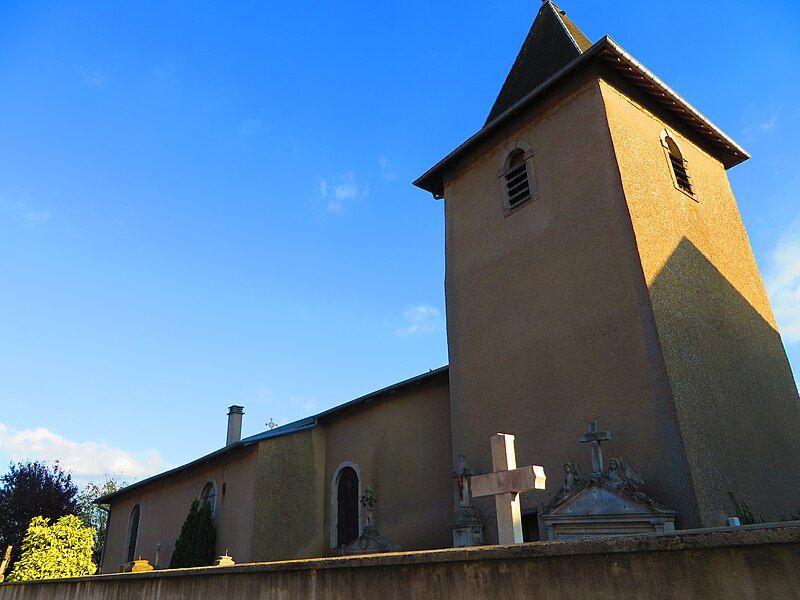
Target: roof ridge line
x,y
554,7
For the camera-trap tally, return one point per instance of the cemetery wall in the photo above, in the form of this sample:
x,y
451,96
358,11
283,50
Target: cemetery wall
x,y
743,563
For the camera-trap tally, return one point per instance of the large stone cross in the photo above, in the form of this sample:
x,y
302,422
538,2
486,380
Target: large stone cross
x,y
594,438
505,484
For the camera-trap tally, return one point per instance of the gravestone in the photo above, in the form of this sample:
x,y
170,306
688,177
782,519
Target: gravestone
x,y
467,523
611,502
505,483
370,541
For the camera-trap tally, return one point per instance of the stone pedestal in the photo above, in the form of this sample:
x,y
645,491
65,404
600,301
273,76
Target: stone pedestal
x,y
467,527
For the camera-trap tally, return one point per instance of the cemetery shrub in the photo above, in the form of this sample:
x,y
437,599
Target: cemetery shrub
x,y
28,490
197,541
63,549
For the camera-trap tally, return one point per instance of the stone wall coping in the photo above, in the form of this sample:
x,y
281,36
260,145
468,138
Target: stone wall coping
x,y
687,539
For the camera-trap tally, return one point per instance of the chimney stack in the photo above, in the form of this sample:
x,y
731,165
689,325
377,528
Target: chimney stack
x,y
235,414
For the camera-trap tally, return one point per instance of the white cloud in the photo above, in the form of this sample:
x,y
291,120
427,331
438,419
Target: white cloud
x,y
770,123
341,191
420,319
388,169
251,127
85,460
783,282
93,79
22,210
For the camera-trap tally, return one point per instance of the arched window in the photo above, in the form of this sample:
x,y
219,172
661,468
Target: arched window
x,y
345,505
133,532
517,183
678,163
209,496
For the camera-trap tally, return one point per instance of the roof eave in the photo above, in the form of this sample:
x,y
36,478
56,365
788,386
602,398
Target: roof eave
x,y
289,428
431,180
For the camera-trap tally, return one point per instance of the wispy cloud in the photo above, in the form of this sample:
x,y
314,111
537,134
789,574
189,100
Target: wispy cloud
x,y
420,319
783,282
92,78
85,460
22,211
251,127
388,169
164,71
769,123
342,191
759,122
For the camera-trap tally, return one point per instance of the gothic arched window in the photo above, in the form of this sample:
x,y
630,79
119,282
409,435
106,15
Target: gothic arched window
x,y
133,532
678,163
517,182
209,496
346,488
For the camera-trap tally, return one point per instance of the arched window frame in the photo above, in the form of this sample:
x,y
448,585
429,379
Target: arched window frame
x,y
210,483
130,550
335,501
505,167
691,193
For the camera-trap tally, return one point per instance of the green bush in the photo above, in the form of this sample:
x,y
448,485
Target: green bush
x,y
197,541
63,549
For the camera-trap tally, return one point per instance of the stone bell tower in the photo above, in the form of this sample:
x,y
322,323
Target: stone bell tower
x,y
598,269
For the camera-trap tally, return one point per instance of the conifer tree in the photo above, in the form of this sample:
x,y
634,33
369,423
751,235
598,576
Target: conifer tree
x,y
63,549
197,541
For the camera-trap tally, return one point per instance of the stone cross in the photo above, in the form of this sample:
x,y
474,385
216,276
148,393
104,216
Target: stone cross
x,y
594,438
505,484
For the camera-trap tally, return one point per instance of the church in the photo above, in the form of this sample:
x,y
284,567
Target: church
x,y
597,272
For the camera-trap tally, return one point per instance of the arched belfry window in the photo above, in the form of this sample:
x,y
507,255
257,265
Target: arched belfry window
x,y
517,182
678,164
209,496
346,517
133,532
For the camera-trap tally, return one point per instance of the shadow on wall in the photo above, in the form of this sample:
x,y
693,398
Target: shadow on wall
x,y
736,400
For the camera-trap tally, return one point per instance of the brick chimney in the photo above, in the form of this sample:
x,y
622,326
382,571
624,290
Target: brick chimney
x,y
235,414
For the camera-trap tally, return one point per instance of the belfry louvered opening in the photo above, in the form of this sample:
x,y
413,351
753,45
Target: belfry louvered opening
x,y
518,185
678,166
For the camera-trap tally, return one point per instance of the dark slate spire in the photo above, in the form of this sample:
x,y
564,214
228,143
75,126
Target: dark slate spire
x,y
553,42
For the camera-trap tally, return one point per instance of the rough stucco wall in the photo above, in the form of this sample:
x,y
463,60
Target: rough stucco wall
x,y
734,391
165,504
289,501
548,321
747,565
401,444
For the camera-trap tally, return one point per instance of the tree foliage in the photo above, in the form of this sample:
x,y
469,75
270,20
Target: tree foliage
x,y
197,541
63,549
28,490
96,515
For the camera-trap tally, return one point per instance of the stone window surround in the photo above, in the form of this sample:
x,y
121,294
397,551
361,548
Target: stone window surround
x,y
504,166
334,533
666,133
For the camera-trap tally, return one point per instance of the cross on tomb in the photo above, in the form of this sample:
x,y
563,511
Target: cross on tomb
x,y
594,438
505,483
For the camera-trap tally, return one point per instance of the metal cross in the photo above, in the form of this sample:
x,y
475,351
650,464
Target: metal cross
x,y
594,438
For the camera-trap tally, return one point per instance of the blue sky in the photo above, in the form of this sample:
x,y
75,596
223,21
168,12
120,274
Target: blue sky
x,y
207,204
